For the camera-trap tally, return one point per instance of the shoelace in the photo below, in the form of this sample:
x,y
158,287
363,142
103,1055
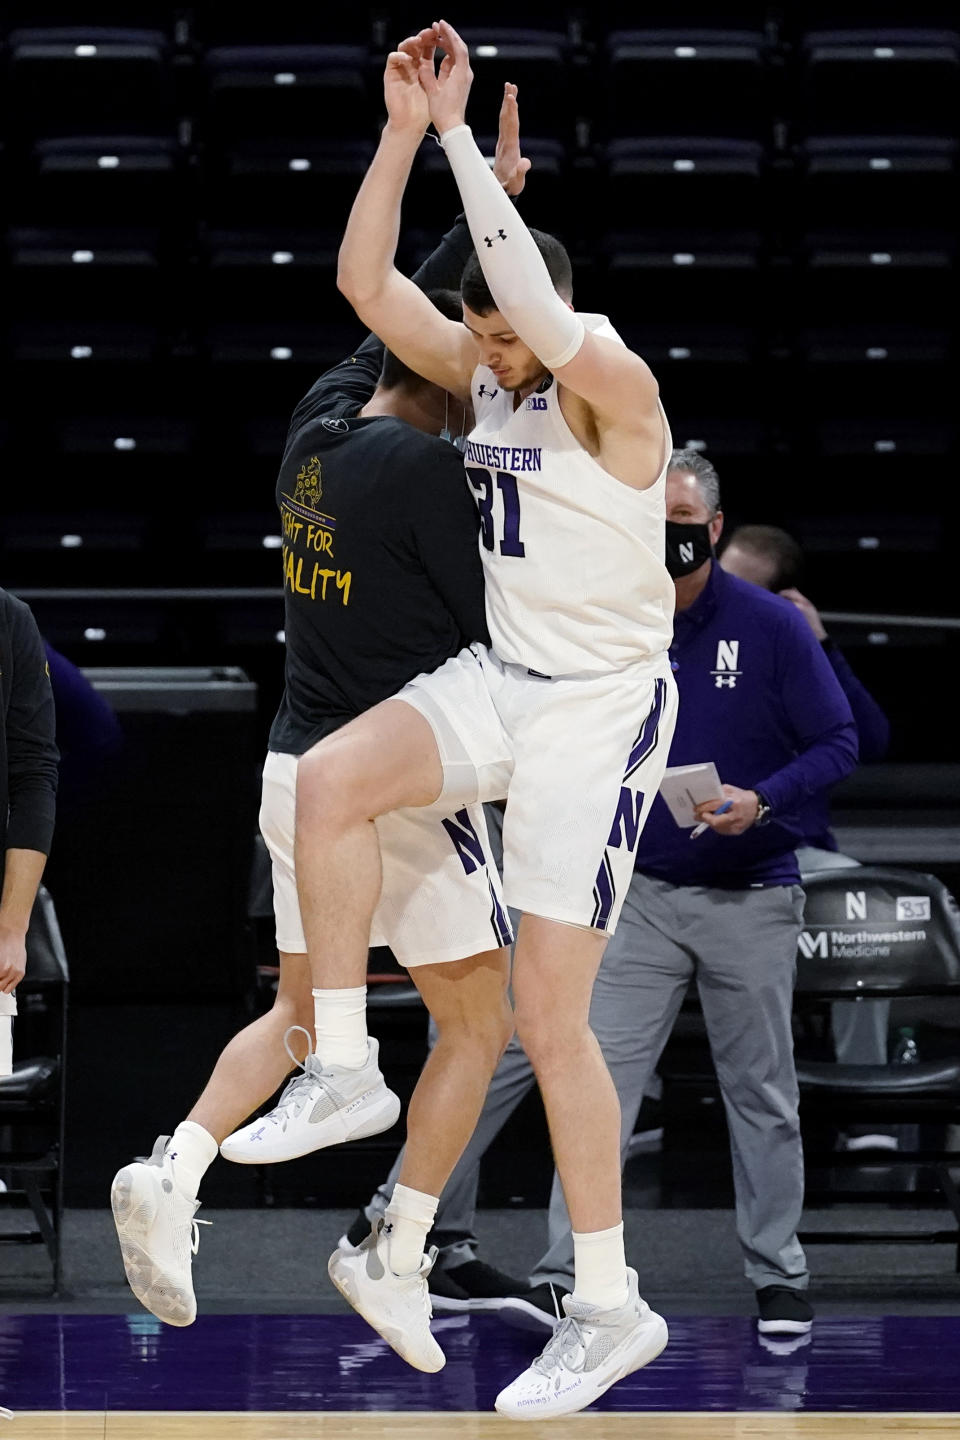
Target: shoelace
x,y
300,1089
195,1234
562,1344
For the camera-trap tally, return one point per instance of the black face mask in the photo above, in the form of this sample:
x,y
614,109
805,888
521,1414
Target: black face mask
x,y
688,546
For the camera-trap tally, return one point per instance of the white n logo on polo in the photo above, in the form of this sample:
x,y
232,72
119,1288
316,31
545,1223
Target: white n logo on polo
x,y
728,655
810,945
856,905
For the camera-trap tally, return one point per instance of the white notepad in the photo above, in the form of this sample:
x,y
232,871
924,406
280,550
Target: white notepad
x,y
684,786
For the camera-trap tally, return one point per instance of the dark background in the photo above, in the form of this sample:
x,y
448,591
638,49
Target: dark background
x,y
761,196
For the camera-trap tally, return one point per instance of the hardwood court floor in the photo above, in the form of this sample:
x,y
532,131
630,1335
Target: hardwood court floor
x,y
201,1425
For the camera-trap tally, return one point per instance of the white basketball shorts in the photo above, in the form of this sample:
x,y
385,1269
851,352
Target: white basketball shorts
x,y
578,760
441,898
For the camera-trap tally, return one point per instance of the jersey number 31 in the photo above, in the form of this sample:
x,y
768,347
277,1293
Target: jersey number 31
x,y
482,485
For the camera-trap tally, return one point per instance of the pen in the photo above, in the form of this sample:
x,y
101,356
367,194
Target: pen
x,y
699,829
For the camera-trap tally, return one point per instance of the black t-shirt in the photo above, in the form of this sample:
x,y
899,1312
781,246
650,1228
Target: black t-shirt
x,y
382,574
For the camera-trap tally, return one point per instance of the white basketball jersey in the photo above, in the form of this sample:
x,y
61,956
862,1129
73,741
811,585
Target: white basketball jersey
x,y
573,558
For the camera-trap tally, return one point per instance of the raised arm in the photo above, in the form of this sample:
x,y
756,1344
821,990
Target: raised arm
x,y
386,301
613,381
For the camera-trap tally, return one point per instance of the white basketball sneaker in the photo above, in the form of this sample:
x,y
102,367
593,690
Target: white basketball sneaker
x,y
590,1351
397,1306
158,1235
324,1105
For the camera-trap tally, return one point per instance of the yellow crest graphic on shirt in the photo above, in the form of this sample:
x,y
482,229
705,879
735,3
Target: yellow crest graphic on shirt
x,y
309,484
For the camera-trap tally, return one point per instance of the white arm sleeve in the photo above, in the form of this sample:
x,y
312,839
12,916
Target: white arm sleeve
x,y
512,265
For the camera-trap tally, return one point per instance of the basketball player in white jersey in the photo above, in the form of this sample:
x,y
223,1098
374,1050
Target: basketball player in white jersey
x,y
569,714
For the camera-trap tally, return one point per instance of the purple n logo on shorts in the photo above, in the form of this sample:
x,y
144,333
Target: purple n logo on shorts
x,y
626,823
466,842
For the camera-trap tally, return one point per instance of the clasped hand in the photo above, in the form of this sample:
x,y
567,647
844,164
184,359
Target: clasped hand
x,y
417,94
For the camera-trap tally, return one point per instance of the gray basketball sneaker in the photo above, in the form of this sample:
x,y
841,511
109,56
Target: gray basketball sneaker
x,y
588,1352
324,1105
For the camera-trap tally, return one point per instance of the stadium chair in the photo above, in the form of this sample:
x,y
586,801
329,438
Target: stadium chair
x,y
73,549
690,78
94,276
865,277
885,557
915,953
299,179
870,182
604,16
869,370
100,181
718,183
88,80
285,22
278,92
905,81
33,1098
669,275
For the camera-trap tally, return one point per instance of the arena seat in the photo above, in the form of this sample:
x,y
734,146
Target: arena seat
x,y
905,81
86,80
658,179
274,92
104,180
863,277
665,275
868,182
881,933
88,274
33,1098
690,76
299,178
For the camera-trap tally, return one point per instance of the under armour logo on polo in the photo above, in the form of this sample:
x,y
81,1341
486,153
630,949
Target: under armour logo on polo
x,y
730,681
500,235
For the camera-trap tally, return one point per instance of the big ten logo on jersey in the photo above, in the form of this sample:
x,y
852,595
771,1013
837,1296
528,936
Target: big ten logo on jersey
x,y
727,670
308,533
536,402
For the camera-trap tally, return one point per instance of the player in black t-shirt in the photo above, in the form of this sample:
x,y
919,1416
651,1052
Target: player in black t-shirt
x,y
382,580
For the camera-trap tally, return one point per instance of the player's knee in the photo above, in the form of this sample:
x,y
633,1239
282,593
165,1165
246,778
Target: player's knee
x,y
487,1034
329,788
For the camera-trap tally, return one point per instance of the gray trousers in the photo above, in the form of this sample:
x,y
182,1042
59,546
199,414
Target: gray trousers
x,y
740,947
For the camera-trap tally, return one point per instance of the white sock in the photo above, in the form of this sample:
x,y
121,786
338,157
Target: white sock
x,y
193,1150
340,1020
406,1225
600,1268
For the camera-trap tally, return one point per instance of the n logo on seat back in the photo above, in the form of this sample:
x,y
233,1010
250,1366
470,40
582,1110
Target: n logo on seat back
x,y
856,905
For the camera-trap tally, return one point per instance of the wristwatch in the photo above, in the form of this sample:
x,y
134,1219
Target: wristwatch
x,y
764,809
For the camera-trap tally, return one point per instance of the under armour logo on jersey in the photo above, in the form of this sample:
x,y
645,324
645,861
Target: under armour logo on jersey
x,y
487,394
337,426
719,681
500,235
